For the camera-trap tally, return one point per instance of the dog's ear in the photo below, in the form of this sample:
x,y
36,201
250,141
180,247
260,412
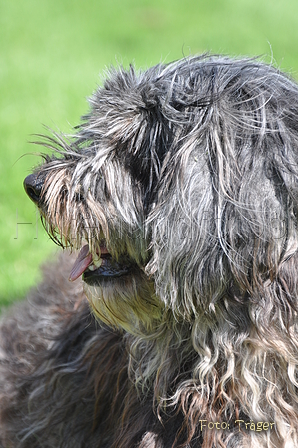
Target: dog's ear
x,y
187,263
224,223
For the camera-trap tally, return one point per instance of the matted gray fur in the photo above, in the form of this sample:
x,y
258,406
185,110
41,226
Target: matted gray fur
x,y
180,189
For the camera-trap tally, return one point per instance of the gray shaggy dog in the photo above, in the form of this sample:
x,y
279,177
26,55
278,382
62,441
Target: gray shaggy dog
x,y
180,191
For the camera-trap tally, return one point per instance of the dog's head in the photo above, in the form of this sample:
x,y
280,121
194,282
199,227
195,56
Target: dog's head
x,y
180,190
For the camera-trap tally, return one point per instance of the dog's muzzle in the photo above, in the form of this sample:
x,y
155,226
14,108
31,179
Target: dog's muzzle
x,y
104,268
94,268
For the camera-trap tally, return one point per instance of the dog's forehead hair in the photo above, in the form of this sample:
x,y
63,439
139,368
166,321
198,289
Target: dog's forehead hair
x,y
133,108
148,119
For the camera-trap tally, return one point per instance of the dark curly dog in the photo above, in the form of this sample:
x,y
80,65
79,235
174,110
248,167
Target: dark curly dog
x,y
180,189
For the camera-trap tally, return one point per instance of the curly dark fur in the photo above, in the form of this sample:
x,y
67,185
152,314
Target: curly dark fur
x,y
183,181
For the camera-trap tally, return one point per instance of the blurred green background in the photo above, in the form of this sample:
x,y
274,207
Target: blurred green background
x,y
52,52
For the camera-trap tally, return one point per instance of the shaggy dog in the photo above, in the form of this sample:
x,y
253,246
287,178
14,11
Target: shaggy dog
x,y
180,191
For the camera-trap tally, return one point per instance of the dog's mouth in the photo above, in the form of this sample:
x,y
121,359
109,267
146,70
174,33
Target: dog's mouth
x,y
96,267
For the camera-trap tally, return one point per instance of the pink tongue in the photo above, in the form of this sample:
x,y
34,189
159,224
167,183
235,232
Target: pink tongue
x,y
81,264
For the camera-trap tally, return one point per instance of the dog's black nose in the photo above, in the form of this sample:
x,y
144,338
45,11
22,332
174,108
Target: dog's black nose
x,y
33,185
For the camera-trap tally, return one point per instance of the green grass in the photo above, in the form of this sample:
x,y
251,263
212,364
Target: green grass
x,y
51,53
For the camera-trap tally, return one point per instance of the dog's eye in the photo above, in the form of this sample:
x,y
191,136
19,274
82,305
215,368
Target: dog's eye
x,y
78,197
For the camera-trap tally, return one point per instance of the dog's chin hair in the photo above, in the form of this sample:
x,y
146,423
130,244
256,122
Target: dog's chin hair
x,y
127,302
232,366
